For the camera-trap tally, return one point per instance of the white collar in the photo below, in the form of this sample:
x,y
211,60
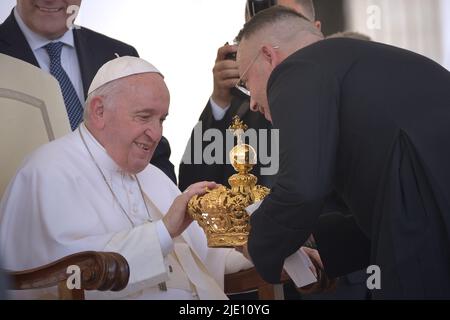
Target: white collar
x,y
99,153
36,41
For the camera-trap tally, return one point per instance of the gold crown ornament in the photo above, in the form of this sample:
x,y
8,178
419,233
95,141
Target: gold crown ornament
x,y
221,212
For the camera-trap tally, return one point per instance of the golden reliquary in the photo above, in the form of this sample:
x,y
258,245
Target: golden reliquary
x,y
221,211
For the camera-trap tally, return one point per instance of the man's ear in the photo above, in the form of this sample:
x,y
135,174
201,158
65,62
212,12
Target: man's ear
x,y
271,55
97,112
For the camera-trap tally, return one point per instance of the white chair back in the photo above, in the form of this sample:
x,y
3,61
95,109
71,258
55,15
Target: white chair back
x,y
32,113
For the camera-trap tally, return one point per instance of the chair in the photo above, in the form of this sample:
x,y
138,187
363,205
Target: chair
x,y
250,280
32,113
98,271
110,271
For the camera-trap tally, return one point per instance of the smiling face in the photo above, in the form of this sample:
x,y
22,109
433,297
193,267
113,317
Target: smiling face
x,y
47,18
131,127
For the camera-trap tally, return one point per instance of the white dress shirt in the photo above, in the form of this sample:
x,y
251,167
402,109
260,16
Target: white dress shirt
x,y
217,111
69,58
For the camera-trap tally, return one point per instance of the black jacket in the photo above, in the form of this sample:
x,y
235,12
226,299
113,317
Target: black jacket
x,y
371,123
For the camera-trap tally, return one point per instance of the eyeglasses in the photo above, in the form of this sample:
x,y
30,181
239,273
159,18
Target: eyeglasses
x,y
240,85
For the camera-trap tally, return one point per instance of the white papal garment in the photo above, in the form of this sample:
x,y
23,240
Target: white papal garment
x,y
58,204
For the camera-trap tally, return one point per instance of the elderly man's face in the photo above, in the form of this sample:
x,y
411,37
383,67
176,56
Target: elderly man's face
x,y
48,18
133,126
255,73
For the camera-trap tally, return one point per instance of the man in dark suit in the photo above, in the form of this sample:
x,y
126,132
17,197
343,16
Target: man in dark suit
x,y
190,170
33,24
227,102
366,123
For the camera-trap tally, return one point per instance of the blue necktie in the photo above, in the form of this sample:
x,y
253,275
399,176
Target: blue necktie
x,y
71,100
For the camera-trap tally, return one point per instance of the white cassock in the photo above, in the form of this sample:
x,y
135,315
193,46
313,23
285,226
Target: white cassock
x,y
58,204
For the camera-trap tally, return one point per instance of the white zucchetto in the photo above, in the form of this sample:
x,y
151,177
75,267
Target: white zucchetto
x,y
119,68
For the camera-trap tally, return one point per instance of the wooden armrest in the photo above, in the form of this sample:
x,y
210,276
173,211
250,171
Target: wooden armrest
x,y
248,280
99,271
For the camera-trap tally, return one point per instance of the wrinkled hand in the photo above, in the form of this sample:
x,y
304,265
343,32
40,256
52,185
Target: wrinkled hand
x,y
324,283
226,75
177,219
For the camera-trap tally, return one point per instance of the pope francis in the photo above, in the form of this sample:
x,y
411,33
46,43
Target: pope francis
x,y
94,189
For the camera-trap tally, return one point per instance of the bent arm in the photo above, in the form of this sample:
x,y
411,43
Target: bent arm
x,y
303,101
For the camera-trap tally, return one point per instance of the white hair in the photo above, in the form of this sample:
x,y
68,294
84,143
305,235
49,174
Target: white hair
x,y
107,92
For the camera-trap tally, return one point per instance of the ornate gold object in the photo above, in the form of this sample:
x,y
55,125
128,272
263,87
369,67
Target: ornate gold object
x,y
221,212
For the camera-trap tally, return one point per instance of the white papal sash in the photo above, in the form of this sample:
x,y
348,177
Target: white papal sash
x,y
207,288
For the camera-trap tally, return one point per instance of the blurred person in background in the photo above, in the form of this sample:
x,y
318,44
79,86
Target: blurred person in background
x,y
39,32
